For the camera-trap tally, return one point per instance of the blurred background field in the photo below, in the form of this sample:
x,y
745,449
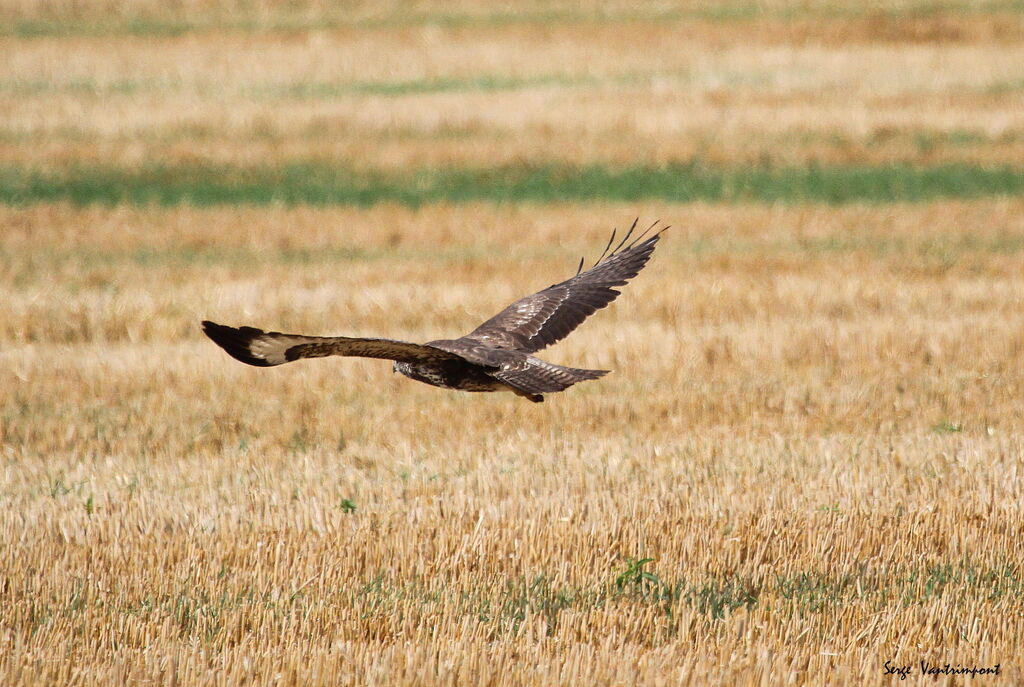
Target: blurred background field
x,y
806,463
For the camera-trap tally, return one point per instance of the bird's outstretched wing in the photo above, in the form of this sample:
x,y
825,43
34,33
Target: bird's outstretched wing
x,y
539,320
264,349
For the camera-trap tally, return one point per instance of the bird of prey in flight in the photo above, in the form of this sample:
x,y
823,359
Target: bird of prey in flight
x,y
496,356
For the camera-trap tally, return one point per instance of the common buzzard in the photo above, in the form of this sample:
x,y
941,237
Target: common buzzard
x,y
496,356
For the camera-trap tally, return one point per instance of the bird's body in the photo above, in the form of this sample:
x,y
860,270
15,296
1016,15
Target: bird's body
x,y
450,374
537,375
496,356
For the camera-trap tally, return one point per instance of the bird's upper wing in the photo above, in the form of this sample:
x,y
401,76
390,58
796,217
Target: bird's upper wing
x,y
539,320
263,349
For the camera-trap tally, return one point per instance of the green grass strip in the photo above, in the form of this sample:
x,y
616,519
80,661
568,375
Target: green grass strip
x,y
321,184
173,24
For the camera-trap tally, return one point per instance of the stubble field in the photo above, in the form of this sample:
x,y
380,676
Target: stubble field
x,y
806,464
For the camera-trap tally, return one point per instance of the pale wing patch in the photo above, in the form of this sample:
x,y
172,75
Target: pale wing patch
x,y
534,314
273,348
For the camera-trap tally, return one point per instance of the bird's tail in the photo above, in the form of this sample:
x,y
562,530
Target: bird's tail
x,y
541,377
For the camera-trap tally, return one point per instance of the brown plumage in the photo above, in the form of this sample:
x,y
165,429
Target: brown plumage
x,y
496,356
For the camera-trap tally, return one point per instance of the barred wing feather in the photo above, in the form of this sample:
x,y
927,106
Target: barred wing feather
x,y
541,319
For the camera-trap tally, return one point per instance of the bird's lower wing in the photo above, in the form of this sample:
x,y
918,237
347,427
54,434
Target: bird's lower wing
x,y
264,349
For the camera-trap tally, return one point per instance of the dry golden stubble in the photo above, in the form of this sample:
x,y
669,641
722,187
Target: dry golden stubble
x,y
813,426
